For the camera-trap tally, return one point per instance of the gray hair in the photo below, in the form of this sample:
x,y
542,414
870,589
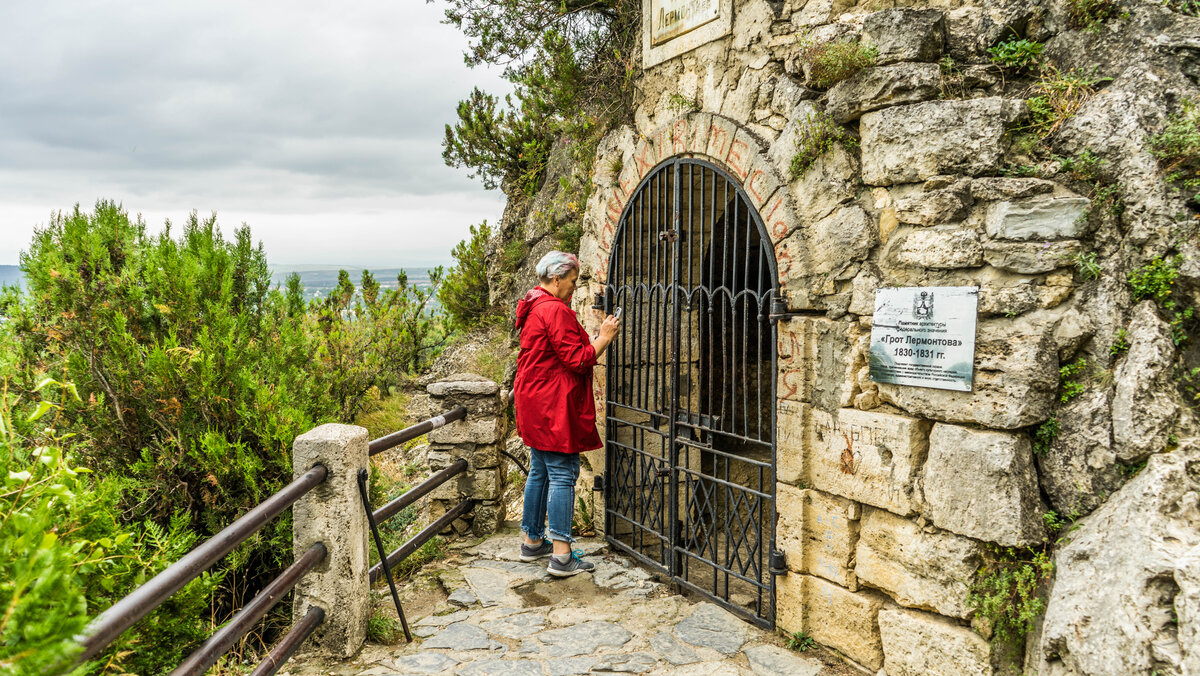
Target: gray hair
x,y
556,264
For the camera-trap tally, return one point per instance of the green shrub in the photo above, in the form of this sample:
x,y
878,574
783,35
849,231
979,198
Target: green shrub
x,y
819,134
1156,280
1059,96
801,642
1177,149
1120,343
1087,265
1006,589
1018,55
828,63
1072,380
1089,14
1045,435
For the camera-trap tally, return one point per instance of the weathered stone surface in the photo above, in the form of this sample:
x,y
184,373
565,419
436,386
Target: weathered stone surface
x,y
711,627
1016,377
920,644
423,663
1003,293
791,425
627,663
844,620
516,626
932,207
490,587
1079,469
817,532
1144,405
501,668
911,143
462,383
1038,218
919,568
485,431
1030,258
983,485
1187,609
816,363
462,598
672,649
1006,188
769,660
584,638
443,620
1114,605
906,34
459,636
831,180
866,456
875,88
569,666
843,236
939,248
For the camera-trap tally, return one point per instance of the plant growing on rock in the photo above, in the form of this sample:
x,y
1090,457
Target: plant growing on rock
x,y
801,642
1089,14
828,63
1186,7
1017,55
1006,590
1071,380
1058,96
1156,280
818,136
1044,435
1177,149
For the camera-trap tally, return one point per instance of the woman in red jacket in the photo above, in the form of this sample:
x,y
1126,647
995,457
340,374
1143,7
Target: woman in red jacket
x,y
556,416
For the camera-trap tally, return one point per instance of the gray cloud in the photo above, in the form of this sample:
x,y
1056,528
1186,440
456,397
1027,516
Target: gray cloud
x,y
267,109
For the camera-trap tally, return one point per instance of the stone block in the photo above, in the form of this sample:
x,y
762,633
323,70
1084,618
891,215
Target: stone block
x,y
484,431
1080,469
844,620
920,644
941,248
1016,377
789,602
332,514
1005,188
761,183
829,182
721,133
1038,218
1144,405
875,88
462,383
845,235
932,207
791,421
816,361
983,484
906,34
818,533
483,484
911,143
918,567
1030,258
779,216
866,456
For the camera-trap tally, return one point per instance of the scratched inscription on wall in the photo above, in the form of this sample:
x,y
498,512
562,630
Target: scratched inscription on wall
x,y
672,18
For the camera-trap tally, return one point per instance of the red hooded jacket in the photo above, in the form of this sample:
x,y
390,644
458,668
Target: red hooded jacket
x,y
553,387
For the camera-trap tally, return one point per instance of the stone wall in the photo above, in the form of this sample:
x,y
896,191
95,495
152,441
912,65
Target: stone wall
x,y
882,551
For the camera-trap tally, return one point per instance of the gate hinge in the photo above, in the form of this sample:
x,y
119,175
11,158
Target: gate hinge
x,y
600,301
778,562
598,483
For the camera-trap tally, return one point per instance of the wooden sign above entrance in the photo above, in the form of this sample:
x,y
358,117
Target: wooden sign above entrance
x,y
672,27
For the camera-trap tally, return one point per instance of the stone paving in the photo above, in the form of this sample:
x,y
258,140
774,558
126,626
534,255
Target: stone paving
x,y
507,618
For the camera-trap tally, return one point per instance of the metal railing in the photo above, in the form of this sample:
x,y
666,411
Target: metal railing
x,y
375,517
142,601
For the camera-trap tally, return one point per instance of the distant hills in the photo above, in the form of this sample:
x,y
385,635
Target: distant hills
x,y
10,275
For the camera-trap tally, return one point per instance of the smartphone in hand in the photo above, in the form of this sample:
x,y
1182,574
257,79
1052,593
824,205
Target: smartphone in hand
x,y
617,314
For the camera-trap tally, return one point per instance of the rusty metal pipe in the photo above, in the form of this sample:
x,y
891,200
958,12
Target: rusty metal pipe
x,y
211,650
409,433
288,644
420,490
403,551
128,611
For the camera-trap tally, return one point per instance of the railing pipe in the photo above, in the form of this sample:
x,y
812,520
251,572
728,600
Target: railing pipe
x,y
420,490
128,611
421,538
409,433
288,644
211,650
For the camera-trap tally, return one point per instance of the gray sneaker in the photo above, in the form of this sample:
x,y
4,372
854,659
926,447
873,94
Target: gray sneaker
x,y
573,566
529,553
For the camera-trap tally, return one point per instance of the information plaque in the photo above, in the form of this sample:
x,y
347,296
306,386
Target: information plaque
x,y
672,18
925,336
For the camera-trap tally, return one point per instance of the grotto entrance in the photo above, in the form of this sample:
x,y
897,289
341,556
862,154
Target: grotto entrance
x,y
690,408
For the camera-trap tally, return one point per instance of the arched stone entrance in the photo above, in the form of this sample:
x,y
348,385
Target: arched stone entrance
x,y
690,385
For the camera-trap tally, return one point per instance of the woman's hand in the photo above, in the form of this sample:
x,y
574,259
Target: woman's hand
x,y
608,331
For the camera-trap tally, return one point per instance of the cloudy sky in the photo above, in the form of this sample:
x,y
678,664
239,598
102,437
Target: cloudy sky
x,y
319,124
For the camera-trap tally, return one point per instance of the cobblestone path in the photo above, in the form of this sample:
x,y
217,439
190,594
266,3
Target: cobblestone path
x,y
504,617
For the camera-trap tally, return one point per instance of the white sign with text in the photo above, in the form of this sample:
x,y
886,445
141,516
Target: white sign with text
x,y
925,336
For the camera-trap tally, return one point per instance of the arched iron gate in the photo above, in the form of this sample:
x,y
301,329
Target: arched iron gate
x,y
690,444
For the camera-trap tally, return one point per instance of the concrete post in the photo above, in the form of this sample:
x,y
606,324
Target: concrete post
x,y
332,513
478,439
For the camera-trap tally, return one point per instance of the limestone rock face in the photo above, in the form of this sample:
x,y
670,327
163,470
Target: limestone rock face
x,y
920,644
1039,218
983,485
818,534
906,34
875,88
843,620
939,248
1030,258
1143,405
1016,376
1080,469
910,143
930,570
1118,593
932,207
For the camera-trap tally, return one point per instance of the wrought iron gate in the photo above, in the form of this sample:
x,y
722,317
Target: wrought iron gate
x,y
690,450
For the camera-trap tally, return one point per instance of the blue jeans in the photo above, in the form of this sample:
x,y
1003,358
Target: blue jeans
x,y
550,488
